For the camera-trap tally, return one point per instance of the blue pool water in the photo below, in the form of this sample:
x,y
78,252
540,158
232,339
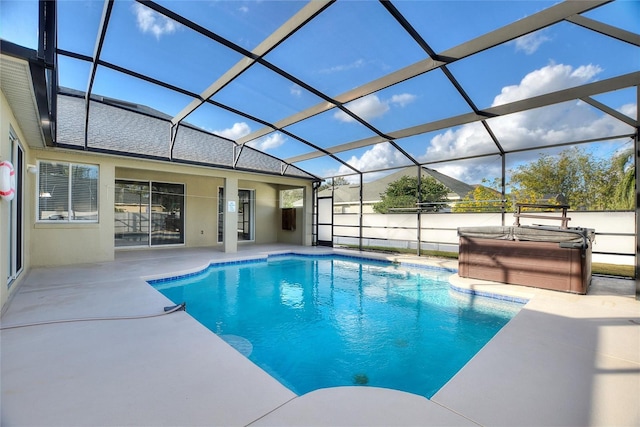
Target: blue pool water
x,y
315,322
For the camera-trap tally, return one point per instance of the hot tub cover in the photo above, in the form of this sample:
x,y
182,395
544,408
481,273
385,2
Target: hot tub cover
x,y
530,233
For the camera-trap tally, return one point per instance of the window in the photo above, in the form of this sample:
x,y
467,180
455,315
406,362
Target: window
x,y
67,192
148,213
292,198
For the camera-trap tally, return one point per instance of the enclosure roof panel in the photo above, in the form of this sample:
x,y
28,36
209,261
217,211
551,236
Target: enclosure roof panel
x,y
341,87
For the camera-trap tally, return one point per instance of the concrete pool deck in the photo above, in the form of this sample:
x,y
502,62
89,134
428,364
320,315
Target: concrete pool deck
x,y
563,360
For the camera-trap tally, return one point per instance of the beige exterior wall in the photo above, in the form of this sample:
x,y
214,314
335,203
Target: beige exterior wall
x,y
266,210
293,237
59,244
8,121
72,243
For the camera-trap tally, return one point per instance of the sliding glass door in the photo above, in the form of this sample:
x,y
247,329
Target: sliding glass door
x,y
167,206
16,213
148,213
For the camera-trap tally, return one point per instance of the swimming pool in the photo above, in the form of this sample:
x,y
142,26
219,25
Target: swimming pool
x,y
325,321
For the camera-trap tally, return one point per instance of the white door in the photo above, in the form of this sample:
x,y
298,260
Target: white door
x,y
325,221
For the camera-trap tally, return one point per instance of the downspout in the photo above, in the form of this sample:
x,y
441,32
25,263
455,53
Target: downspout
x,y
314,213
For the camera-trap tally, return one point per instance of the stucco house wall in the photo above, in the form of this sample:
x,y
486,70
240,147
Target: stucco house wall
x,y
59,244
8,121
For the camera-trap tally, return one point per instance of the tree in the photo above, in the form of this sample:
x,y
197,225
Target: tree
x,y
289,197
337,181
403,194
625,191
484,198
585,182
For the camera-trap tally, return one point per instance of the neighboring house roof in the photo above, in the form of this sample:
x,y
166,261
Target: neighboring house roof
x,y
372,190
459,188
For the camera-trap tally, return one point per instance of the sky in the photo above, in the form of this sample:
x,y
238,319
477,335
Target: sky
x,y
347,45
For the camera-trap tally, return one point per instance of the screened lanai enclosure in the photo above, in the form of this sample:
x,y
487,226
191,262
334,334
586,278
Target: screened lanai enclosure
x,y
475,96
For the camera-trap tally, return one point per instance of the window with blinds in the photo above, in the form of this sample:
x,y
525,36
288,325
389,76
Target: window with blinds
x,y
67,192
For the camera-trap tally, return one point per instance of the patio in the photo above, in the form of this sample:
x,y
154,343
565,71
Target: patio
x,y
563,360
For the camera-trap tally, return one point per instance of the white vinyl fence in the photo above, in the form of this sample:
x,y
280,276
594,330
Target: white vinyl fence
x,y
614,242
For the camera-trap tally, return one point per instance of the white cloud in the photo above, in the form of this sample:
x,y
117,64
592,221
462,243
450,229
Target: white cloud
x,y
629,109
530,43
238,130
569,121
560,123
370,107
295,90
268,142
344,67
466,140
471,171
243,9
380,156
547,79
403,99
152,22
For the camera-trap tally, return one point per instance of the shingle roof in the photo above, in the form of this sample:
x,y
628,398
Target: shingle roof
x,y
139,130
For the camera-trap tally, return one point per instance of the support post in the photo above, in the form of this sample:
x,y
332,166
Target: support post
x,y
360,217
636,152
503,187
637,169
231,215
307,217
419,211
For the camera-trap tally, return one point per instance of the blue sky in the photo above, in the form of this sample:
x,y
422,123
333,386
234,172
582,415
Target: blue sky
x,y
350,44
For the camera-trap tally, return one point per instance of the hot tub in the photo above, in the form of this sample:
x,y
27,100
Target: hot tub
x,y
543,257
